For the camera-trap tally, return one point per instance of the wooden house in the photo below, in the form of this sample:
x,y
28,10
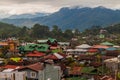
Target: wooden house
x,y
32,70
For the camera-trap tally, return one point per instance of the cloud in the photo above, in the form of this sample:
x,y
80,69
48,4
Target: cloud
x,y
10,7
4,14
17,1
62,3
26,8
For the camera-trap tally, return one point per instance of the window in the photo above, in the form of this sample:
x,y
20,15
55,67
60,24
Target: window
x,y
33,75
49,79
30,58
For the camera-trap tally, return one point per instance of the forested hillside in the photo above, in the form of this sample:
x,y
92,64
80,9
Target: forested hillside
x,y
112,33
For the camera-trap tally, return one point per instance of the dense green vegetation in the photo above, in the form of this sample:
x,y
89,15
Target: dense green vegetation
x,y
90,36
36,32
8,30
111,34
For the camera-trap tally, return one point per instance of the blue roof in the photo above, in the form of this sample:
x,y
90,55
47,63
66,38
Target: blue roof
x,y
111,49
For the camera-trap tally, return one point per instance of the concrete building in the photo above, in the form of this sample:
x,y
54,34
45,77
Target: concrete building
x,y
50,72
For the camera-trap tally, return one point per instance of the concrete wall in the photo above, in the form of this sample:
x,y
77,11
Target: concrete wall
x,y
50,72
12,76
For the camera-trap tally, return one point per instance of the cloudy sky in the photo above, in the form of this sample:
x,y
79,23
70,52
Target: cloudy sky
x,y
11,7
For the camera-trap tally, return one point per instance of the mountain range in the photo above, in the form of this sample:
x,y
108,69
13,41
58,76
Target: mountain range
x,y
28,16
71,18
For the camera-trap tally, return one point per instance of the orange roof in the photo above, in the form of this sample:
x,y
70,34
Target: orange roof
x,y
3,44
100,46
76,71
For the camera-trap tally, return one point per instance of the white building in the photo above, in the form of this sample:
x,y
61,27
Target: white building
x,y
12,75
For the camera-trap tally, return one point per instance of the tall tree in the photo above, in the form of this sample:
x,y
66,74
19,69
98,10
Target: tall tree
x,y
39,31
68,34
23,32
56,32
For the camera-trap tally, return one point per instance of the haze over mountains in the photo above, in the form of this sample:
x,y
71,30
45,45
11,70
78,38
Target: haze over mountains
x,y
28,16
70,18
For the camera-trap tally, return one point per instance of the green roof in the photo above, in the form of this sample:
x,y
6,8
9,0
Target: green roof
x,y
42,41
107,43
21,48
101,36
57,50
42,47
76,78
30,47
103,69
52,40
88,70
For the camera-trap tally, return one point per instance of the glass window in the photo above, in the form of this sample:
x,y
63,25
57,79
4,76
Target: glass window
x,y
33,75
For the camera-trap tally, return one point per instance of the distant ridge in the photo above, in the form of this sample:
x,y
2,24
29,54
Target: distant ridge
x,y
71,18
28,16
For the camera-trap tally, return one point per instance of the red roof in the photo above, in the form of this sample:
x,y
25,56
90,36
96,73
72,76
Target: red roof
x,y
53,47
62,65
36,67
35,54
62,54
54,57
106,77
106,57
86,57
96,64
11,67
76,71
51,56
92,50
